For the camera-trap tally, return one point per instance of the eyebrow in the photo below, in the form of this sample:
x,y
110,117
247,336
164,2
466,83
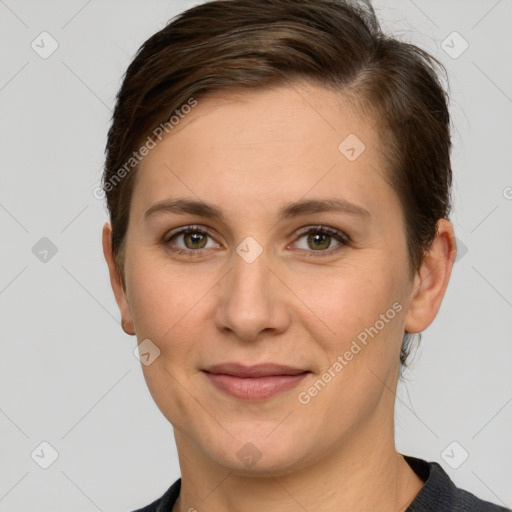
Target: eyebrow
x,y
303,207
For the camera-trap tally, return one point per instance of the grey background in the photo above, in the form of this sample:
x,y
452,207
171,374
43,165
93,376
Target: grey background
x,y
68,375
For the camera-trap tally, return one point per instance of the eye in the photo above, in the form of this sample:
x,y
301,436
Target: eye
x,y
319,238
193,237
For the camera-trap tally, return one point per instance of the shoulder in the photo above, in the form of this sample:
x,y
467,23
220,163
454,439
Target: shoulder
x,y
166,501
439,493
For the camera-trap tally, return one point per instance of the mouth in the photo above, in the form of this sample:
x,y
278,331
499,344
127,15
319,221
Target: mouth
x,y
254,383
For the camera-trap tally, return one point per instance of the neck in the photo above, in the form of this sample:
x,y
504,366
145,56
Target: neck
x,y
364,473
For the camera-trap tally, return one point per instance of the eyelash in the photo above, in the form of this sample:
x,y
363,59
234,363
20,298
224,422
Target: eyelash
x,y
338,235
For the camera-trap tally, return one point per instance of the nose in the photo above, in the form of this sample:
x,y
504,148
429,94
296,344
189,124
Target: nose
x,y
253,299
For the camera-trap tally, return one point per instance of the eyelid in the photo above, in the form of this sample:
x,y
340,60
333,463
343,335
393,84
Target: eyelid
x,y
184,229
325,229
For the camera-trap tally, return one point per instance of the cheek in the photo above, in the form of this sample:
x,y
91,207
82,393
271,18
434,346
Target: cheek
x,y
173,308
162,304
364,313
160,295
362,357
350,299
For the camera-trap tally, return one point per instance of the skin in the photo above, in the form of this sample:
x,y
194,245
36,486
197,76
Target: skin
x,y
249,154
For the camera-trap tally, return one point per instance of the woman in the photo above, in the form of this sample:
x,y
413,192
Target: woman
x,y
278,180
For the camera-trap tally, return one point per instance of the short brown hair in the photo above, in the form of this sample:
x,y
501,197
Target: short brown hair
x,y
246,44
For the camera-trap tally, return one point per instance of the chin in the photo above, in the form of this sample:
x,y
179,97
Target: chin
x,y
253,452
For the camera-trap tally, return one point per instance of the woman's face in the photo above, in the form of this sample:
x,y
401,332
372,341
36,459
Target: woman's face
x,y
258,288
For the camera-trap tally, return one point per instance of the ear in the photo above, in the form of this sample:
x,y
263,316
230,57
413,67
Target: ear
x,y
432,279
116,283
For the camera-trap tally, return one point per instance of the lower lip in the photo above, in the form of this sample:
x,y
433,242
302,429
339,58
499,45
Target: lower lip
x,y
254,389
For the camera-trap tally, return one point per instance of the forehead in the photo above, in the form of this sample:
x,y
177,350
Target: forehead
x,y
266,146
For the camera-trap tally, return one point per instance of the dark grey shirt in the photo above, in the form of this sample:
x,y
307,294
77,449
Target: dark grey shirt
x,y
438,494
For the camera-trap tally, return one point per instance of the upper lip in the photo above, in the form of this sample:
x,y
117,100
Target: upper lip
x,y
258,370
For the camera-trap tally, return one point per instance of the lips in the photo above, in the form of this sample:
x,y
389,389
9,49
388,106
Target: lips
x,y
254,383
259,370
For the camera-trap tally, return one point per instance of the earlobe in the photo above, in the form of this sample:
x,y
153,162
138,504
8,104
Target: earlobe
x,y
431,281
128,327
115,281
